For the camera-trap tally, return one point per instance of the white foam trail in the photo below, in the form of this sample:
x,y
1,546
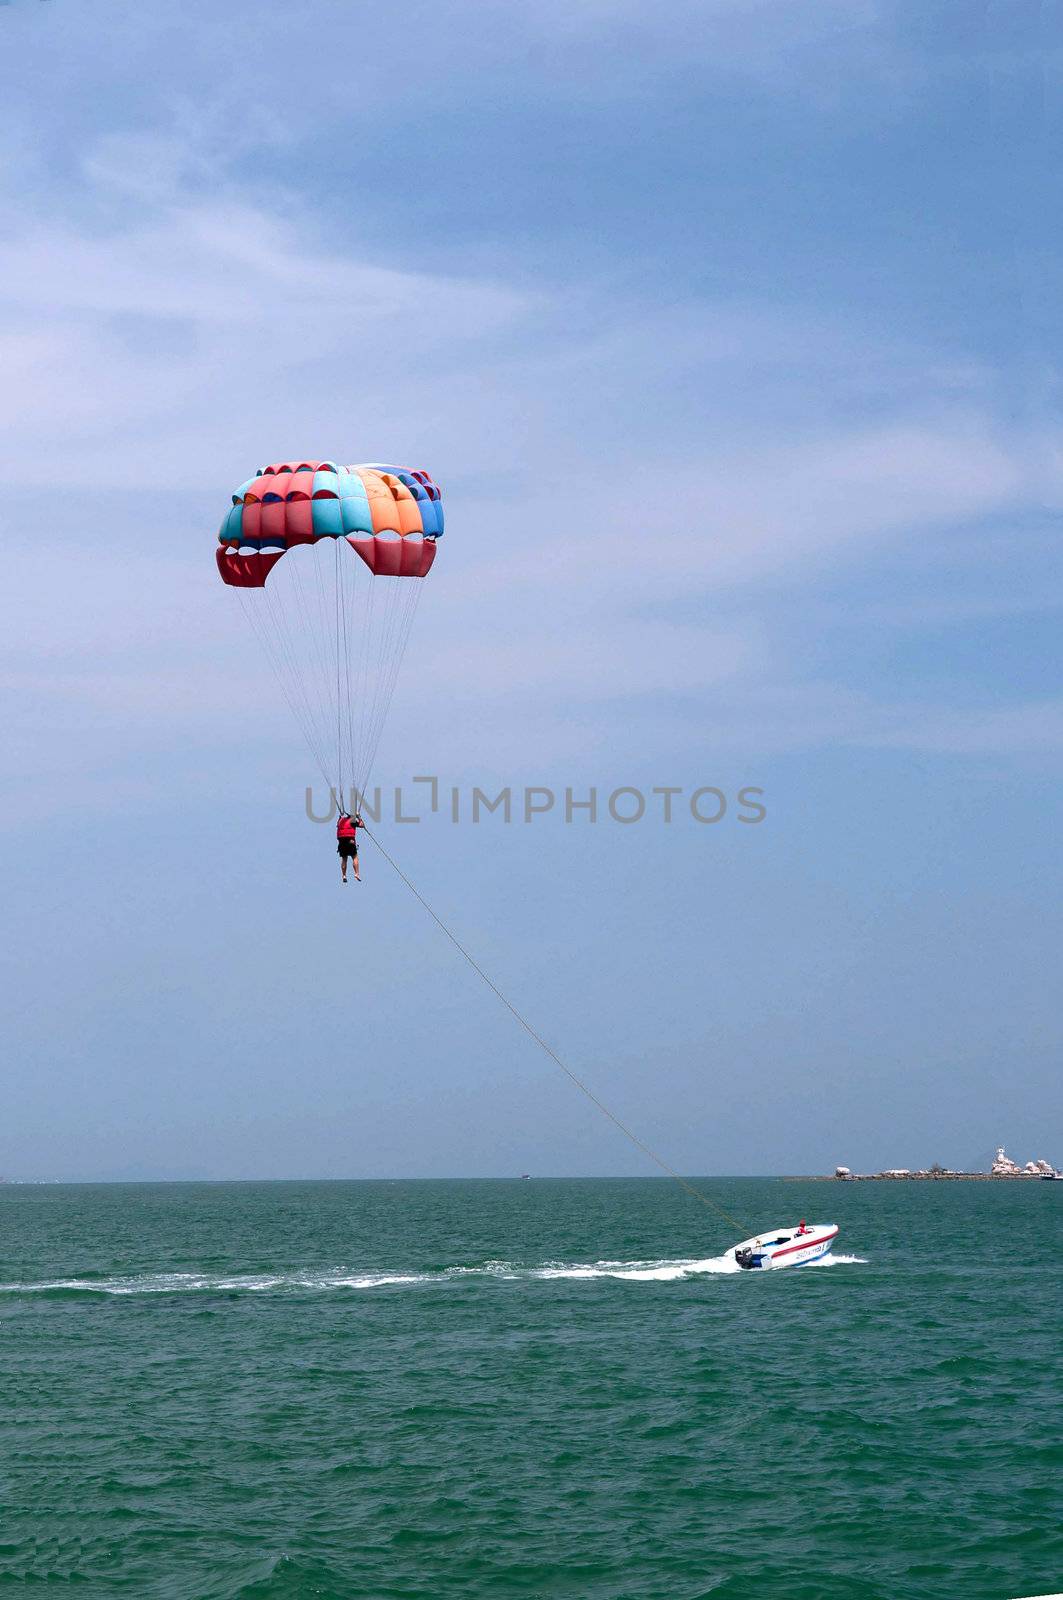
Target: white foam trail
x,y
639,1271
194,1282
331,1279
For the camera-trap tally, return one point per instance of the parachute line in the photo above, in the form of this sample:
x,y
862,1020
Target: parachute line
x,y
335,641
287,680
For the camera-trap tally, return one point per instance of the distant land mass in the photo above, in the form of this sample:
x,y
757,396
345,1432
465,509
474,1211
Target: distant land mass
x,y
1002,1167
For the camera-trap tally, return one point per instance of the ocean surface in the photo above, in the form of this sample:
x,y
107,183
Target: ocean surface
x,y
404,1390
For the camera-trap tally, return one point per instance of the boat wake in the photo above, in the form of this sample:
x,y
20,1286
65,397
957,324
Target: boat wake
x,y
637,1271
838,1260
339,1279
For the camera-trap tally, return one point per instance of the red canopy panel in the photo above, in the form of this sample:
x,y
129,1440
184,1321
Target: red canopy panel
x,y
247,572
395,558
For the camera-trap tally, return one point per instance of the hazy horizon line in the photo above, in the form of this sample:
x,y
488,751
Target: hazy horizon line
x,y
520,1177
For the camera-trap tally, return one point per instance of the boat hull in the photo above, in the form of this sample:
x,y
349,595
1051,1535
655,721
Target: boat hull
x,y
785,1247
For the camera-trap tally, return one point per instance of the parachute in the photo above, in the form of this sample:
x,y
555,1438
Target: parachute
x,y
326,561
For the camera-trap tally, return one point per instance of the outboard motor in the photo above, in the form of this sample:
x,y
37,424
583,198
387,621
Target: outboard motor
x,y
745,1259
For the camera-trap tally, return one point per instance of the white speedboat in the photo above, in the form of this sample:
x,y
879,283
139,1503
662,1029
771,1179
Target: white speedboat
x,y
786,1247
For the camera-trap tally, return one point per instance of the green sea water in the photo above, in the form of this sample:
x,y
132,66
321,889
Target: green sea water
x,y
542,1389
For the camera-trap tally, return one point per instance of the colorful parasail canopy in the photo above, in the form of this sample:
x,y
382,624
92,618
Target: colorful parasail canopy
x,y
391,516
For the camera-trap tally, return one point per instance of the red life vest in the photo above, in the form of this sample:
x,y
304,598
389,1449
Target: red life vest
x,y
346,828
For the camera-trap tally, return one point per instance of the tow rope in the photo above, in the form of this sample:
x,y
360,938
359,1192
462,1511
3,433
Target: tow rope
x,y
573,1077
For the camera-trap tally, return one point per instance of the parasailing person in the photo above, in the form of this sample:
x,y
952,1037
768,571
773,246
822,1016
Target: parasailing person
x,y
347,843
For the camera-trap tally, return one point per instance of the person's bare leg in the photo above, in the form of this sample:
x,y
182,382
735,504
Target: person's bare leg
x,y
357,874
343,867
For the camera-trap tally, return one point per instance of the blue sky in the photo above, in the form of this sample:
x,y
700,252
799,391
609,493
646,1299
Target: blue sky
x,y
731,332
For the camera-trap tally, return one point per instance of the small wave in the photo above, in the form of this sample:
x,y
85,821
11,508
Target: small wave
x,y
345,1278
214,1283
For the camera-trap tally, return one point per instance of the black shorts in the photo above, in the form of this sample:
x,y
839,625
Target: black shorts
x,y
347,848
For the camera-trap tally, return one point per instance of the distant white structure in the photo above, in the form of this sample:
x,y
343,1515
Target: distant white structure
x,y
842,1172
1003,1166
898,1172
